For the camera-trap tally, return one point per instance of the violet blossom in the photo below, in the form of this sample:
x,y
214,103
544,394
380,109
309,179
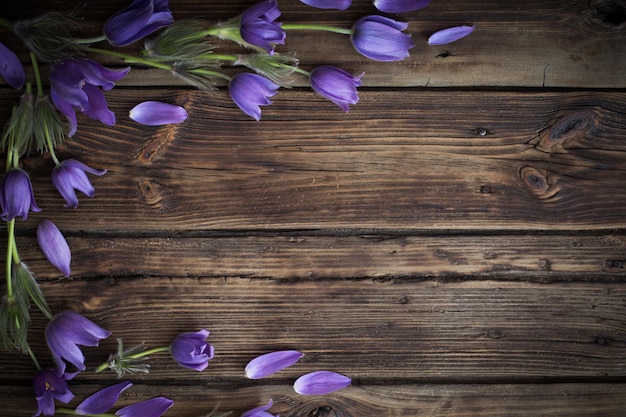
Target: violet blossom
x,y
320,382
11,67
156,113
260,411
250,91
381,39
257,26
329,4
49,385
191,350
449,35
54,246
400,6
270,363
65,332
16,195
138,20
71,175
154,407
103,400
74,84
337,85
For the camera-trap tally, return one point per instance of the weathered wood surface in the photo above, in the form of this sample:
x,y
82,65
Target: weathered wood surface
x,y
457,251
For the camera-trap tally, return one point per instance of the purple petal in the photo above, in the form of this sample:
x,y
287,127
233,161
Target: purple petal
x,y
138,20
11,67
154,407
320,382
400,6
260,411
381,39
329,4
191,350
70,175
250,91
449,35
103,400
54,246
155,113
270,363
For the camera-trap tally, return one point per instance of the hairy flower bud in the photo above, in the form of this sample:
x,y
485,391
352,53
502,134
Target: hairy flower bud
x,y
48,38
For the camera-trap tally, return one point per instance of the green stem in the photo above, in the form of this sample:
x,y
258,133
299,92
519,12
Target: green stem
x,y
51,146
87,41
33,59
305,26
218,57
137,355
301,71
210,73
70,412
9,259
6,23
130,58
34,358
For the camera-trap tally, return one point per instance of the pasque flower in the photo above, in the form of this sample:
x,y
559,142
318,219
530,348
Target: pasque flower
x,y
336,85
449,35
258,27
381,38
103,400
191,350
11,67
71,175
154,407
137,21
270,363
54,246
50,385
75,84
400,6
329,4
65,332
250,91
16,195
155,113
320,382
260,411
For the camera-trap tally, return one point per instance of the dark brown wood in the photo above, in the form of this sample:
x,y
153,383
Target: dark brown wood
x,y
455,243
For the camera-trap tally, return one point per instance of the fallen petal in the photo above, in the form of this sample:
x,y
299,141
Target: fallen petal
x,y
449,35
320,382
270,363
54,246
103,400
156,113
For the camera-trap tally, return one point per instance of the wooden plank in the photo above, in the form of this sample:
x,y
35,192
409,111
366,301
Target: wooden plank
x,y
526,400
541,258
531,43
398,161
380,332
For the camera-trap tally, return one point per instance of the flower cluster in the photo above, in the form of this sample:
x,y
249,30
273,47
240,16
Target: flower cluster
x,y
43,119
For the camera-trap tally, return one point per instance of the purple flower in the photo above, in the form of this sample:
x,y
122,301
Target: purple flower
x,y
16,195
154,407
270,363
329,4
65,332
137,21
191,350
257,26
320,382
71,175
155,113
11,67
103,400
49,385
449,35
336,85
381,38
260,411
54,246
249,91
74,85
400,6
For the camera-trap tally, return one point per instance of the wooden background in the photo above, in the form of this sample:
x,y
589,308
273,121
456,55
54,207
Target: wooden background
x,y
456,243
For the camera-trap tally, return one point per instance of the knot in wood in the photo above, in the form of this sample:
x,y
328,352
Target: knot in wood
x,y
566,129
537,182
610,13
323,411
150,192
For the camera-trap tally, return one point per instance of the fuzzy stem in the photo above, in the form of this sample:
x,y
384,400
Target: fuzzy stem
x,y
130,58
33,59
305,26
34,358
137,355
